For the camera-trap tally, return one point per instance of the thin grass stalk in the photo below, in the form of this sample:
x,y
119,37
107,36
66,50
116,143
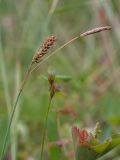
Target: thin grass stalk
x,y
5,82
16,116
4,78
9,126
45,127
8,101
14,109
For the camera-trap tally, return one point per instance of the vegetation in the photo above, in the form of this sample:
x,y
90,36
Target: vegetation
x,y
75,81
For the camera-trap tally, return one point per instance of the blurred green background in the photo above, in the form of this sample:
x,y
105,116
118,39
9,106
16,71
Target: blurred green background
x,y
92,63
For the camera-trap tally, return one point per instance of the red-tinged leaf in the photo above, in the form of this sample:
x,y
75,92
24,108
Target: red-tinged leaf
x,y
80,137
87,145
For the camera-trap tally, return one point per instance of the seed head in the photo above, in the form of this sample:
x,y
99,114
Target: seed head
x,y
51,79
53,86
95,30
48,43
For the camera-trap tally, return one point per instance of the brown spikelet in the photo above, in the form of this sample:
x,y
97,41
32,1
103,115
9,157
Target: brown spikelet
x,y
95,30
53,86
44,48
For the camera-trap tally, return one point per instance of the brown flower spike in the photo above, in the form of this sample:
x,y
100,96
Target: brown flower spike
x,y
54,87
44,48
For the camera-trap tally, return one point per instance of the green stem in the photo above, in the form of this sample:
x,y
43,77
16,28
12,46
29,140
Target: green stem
x,y
13,131
45,128
14,109
9,125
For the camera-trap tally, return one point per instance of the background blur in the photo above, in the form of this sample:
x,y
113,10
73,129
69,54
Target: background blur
x,y
93,93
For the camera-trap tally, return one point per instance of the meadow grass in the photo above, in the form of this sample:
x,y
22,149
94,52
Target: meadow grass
x,y
93,63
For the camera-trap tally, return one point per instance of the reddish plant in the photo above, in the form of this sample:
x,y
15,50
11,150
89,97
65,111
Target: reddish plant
x,y
82,136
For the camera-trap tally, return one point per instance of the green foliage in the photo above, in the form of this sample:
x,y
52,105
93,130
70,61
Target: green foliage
x,y
92,148
3,127
90,65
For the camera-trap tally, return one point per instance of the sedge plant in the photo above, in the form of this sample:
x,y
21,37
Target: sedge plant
x,y
38,58
53,88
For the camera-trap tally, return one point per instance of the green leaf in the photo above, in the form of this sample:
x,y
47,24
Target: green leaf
x,y
85,153
63,78
3,128
93,148
105,147
101,148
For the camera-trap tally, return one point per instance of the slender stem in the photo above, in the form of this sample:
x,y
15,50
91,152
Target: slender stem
x,y
9,125
13,132
45,128
14,109
26,76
